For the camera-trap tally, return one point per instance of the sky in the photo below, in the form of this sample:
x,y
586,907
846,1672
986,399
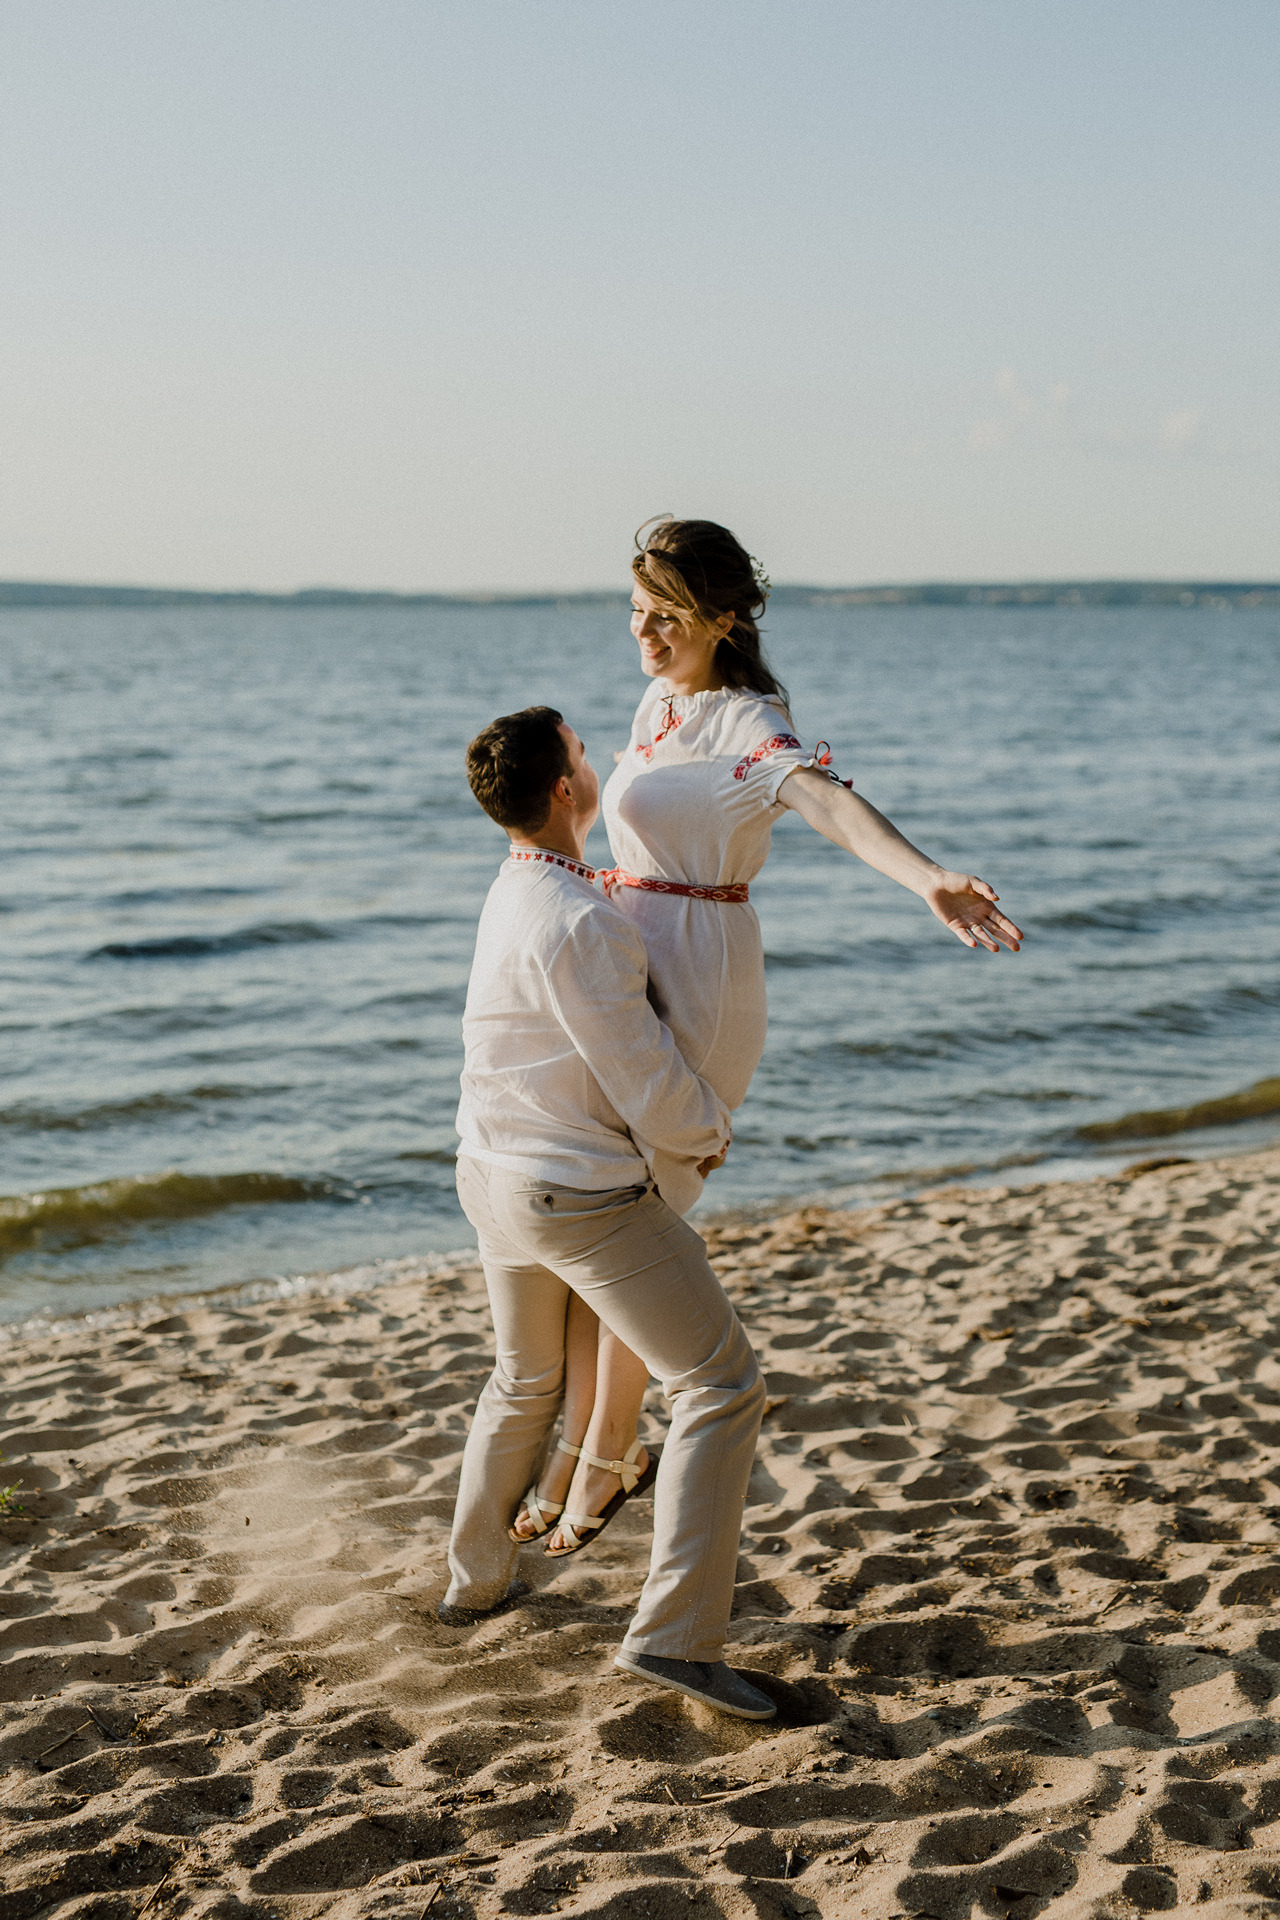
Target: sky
x,y
387,293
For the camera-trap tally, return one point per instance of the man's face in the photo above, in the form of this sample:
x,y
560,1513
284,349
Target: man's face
x,y
584,783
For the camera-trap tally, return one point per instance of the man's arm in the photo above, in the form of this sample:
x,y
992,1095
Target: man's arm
x,y
597,981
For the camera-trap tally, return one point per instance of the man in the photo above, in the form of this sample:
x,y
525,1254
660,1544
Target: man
x,y
571,1086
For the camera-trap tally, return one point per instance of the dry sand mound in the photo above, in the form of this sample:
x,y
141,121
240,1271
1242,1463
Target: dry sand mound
x,y
1009,1570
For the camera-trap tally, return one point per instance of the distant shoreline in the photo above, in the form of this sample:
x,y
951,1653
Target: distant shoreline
x,y
1046,593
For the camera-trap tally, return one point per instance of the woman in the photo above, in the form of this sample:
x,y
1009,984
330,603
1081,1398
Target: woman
x,y
712,762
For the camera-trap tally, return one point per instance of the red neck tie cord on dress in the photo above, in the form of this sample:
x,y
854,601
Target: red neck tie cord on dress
x,y
670,721
824,760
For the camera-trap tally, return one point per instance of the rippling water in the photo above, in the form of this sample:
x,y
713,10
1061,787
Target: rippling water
x,y
241,874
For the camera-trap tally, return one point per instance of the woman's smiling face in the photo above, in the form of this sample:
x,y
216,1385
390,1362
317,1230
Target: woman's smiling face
x,y
677,647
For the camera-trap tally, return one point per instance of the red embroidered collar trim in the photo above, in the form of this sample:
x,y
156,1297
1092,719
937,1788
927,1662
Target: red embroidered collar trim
x,y
553,860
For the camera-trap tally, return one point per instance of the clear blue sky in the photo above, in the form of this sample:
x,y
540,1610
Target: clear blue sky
x,y
391,293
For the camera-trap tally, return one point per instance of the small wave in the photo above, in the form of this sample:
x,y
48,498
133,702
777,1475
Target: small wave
x,y
170,896
295,816
121,756
80,1216
1252,1103
874,949
413,921
803,958
114,1113
956,1170
428,1001
194,946
1223,1008
930,1046
1033,1096
1133,916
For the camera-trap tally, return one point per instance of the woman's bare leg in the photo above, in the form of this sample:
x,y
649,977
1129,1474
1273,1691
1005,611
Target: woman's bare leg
x,y
581,1331
621,1379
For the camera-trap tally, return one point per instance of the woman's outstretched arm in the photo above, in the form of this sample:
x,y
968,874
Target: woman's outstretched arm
x,y
962,902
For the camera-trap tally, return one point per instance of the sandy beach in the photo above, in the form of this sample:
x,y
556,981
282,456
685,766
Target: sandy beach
x,y
1009,1568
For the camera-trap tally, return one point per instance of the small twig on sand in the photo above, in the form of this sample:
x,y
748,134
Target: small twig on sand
x,y
720,1845
671,1797
439,1889
736,1793
155,1891
790,1862
66,1736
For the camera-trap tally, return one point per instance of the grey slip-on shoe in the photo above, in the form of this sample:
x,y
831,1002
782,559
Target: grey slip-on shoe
x,y
712,1682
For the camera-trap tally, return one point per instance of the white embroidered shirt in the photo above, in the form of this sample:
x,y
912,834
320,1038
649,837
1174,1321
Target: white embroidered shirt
x,y
569,1075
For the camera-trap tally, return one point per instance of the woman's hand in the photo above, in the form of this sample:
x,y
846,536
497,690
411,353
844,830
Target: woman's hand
x,y
968,906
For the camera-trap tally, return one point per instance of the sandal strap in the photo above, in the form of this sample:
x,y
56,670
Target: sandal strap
x,y
538,1509
563,1446
626,1468
582,1522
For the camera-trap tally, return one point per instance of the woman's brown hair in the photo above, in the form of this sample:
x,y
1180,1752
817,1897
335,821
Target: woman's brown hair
x,y
695,566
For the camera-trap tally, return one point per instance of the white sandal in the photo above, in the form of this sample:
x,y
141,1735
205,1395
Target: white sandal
x,y
583,1527
536,1507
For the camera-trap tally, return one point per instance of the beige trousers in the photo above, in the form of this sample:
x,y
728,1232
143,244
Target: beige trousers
x,y
646,1274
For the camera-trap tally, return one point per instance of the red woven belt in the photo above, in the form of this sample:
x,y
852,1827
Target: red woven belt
x,y
615,876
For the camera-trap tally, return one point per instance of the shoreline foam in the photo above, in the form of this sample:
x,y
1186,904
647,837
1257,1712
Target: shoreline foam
x,y
66,1220
1009,1568
972,1177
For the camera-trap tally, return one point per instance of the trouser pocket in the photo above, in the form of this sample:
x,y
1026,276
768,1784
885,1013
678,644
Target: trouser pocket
x,y
548,1202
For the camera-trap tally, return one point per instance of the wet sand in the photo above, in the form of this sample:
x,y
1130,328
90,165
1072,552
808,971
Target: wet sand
x,y
1009,1569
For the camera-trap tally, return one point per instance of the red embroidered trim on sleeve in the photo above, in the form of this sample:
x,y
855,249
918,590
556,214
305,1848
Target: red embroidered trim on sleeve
x,y
775,744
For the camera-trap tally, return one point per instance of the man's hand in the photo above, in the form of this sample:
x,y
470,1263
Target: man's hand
x,y
968,907
712,1161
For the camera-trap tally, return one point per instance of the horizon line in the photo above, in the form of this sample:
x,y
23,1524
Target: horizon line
x,y
1067,592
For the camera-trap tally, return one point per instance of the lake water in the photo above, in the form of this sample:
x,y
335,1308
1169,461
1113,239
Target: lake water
x,y
241,871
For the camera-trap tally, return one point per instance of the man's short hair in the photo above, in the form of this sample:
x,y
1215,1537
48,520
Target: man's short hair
x,y
514,764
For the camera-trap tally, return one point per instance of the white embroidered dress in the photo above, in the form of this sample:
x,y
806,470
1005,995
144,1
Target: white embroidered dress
x,y
693,799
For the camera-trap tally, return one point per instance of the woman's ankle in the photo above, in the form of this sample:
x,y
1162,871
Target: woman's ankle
x,y
556,1475
620,1451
